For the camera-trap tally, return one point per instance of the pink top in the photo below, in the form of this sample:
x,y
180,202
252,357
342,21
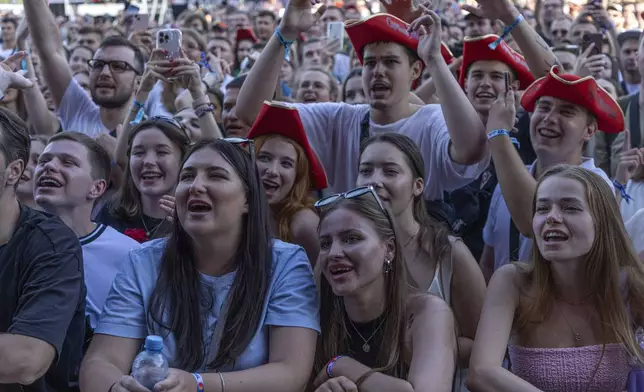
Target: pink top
x,y
571,369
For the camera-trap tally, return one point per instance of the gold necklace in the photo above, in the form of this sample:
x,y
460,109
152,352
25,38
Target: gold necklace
x,y
366,347
412,237
577,336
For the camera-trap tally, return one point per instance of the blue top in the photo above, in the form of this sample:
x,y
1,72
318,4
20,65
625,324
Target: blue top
x,y
292,301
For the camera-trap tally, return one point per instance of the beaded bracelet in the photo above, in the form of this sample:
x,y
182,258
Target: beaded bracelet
x,y
331,365
202,110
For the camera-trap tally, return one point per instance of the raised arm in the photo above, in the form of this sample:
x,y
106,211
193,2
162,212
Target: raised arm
x,y
263,77
534,49
44,121
466,130
48,42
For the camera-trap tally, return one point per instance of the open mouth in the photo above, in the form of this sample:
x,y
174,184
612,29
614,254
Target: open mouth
x,y
485,95
309,98
199,206
553,236
270,186
379,88
49,182
548,133
150,176
340,270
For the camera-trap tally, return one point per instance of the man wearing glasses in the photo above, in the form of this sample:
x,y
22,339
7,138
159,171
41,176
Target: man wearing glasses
x,y
115,72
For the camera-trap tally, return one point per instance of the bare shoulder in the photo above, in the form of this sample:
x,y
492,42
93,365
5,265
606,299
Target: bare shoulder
x,y
304,220
422,304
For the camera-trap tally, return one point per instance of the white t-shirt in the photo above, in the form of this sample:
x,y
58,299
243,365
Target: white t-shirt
x,y
333,130
104,250
77,112
629,208
496,232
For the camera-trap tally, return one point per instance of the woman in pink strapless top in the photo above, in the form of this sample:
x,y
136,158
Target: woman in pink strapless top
x,y
567,319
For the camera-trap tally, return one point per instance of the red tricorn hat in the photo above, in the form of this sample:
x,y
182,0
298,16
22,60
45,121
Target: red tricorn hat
x,y
385,28
579,91
478,49
243,34
278,119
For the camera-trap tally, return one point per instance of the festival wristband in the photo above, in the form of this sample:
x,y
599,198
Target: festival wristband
x,y
622,191
498,132
205,100
285,43
202,110
136,105
200,385
331,365
506,31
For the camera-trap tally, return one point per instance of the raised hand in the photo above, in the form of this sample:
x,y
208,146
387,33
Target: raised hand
x,y
22,32
629,161
299,17
402,9
167,204
502,113
428,28
503,10
152,71
11,79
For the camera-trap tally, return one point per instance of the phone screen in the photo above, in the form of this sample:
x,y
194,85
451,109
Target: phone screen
x,y
597,39
507,82
335,31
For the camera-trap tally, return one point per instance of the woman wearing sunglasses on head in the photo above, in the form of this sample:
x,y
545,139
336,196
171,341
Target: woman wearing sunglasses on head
x,y
568,318
437,262
289,171
377,334
236,308
155,149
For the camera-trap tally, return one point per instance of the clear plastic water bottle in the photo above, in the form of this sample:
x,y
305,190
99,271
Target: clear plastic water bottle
x,y
150,366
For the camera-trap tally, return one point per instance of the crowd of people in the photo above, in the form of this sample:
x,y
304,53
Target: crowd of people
x,y
443,197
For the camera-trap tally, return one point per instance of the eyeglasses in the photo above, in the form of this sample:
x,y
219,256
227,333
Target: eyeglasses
x,y
559,33
353,194
115,66
243,142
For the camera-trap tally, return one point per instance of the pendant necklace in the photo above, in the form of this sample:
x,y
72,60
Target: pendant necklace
x,y
577,336
366,347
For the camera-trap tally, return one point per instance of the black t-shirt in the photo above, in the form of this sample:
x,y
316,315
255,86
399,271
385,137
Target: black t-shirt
x,y
142,228
43,294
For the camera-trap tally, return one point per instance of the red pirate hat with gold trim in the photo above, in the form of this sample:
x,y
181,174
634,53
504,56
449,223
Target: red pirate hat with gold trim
x,y
579,91
278,119
245,34
385,28
478,49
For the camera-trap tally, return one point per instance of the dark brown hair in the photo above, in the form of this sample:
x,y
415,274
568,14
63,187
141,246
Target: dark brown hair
x,y
175,304
14,137
99,159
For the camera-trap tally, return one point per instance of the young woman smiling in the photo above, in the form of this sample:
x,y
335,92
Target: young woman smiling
x,y
289,171
377,334
231,303
437,262
568,318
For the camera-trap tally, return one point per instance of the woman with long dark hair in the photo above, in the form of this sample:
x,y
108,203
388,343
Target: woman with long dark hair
x,y
289,170
378,334
234,307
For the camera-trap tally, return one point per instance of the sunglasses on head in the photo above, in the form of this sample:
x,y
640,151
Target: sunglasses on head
x,y
171,121
353,194
247,144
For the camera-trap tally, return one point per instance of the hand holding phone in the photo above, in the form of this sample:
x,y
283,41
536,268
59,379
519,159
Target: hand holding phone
x,y
507,81
170,41
335,31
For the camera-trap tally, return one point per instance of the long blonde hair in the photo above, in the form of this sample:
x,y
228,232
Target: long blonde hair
x,y
334,338
619,301
298,198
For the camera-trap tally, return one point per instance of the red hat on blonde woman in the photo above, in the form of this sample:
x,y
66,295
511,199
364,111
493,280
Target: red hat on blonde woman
x,y
278,119
579,91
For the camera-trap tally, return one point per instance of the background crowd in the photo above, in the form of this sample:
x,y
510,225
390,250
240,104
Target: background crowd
x,y
350,196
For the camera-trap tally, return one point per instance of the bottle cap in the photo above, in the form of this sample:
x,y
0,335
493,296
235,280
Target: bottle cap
x,y
154,343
